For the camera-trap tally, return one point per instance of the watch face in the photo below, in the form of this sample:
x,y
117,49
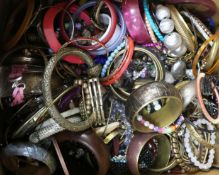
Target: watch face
x,y
79,158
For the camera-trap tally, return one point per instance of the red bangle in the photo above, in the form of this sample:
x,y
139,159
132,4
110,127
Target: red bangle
x,y
50,35
122,67
83,15
206,4
111,31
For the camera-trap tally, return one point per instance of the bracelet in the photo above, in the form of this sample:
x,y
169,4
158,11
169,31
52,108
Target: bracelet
x,y
29,150
90,140
175,145
209,4
11,42
189,150
112,27
50,127
158,67
136,146
183,29
151,22
112,78
119,39
148,93
201,49
134,21
48,94
200,98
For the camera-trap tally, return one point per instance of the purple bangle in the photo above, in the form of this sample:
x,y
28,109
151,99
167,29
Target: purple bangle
x,y
67,98
134,21
206,4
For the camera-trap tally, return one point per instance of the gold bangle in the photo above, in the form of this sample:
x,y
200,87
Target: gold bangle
x,y
183,28
104,130
112,135
148,93
201,49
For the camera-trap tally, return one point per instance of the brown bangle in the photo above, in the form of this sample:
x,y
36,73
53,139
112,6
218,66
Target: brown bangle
x,y
93,143
137,144
25,23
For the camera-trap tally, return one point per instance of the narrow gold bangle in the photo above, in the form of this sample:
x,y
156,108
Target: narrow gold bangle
x,y
112,135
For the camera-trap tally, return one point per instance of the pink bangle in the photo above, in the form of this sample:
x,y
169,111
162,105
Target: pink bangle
x,y
200,99
134,21
50,35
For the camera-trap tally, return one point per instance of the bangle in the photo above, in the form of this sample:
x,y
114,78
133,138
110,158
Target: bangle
x,y
204,31
152,24
50,127
48,94
134,21
90,140
137,145
158,67
29,150
200,98
118,40
201,49
208,4
183,29
111,29
11,42
148,93
112,78
189,151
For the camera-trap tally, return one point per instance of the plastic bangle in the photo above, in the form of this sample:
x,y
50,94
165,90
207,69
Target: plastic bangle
x,y
200,98
134,21
119,39
50,35
112,27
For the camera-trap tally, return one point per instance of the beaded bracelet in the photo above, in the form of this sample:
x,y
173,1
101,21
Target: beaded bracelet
x,y
164,130
110,58
191,155
150,20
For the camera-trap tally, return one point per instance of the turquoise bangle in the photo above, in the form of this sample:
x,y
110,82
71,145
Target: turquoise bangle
x,y
110,58
153,25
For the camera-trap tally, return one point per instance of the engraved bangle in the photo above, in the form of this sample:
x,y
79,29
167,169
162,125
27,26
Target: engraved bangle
x,y
32,151
48,94
148,93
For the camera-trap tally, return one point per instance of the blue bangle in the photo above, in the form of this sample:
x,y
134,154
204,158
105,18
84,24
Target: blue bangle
x,y
110,58
153,25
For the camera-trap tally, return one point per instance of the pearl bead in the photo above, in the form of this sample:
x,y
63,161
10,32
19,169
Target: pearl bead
x,y
162,12
180,51
146,123
173,41
166,26
151,126
139,118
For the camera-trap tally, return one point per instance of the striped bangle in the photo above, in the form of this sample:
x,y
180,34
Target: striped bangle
x,y
110,58
153,25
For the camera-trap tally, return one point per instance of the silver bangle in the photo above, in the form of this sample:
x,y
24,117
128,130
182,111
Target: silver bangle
x,y
32,151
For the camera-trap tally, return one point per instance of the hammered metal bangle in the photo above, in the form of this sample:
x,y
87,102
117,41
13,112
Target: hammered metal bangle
x,y
148,93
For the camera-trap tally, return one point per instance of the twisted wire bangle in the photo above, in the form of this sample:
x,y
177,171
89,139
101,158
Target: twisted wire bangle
x,y
153,25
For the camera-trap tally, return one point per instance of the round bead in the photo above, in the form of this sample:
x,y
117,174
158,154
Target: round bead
x,y
166,26
146,123
139,118
172,41
180,51
162,12
151,126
